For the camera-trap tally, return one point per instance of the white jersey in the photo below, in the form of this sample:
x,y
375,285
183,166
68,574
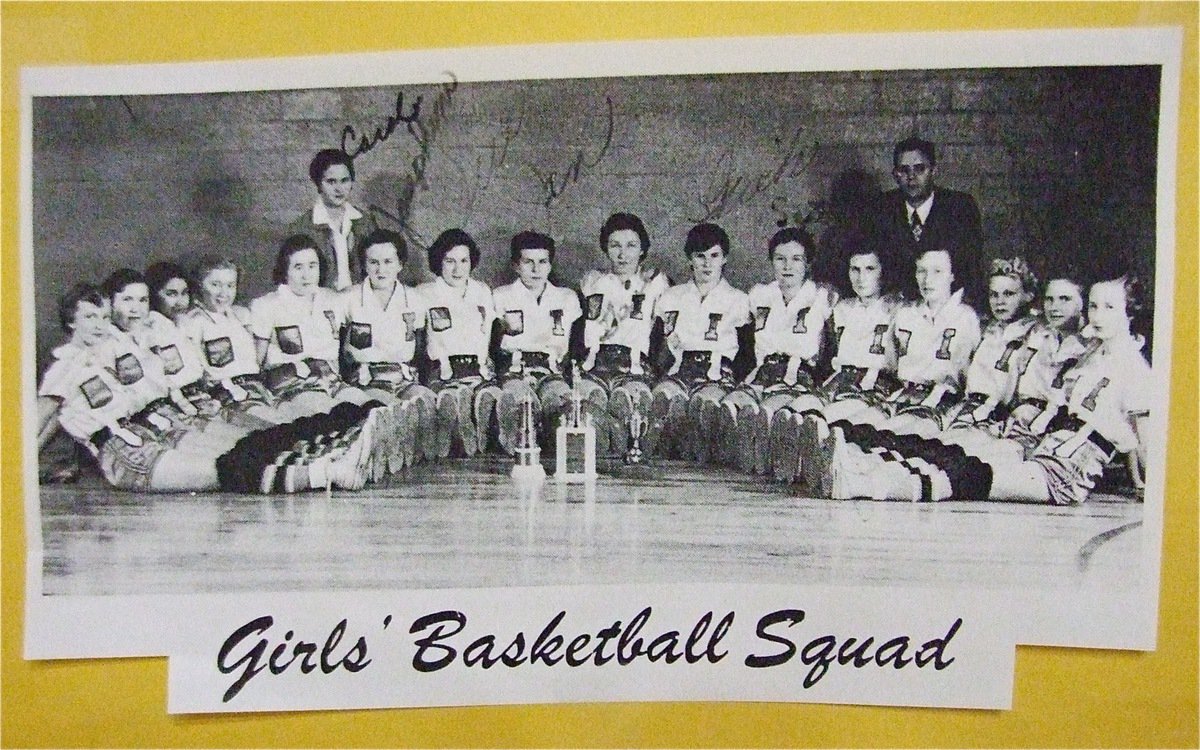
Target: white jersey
x,y
999,359
795,329
620,312
136,367
536,322
708,324
298,328
1107,389
223,341
934,346
1046,355
181,362
81,379
860,332
457,322
388,331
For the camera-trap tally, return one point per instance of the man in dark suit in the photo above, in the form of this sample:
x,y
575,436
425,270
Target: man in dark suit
x,y
918,216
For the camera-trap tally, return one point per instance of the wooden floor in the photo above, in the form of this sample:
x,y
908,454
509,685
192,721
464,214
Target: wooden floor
x,y
468,524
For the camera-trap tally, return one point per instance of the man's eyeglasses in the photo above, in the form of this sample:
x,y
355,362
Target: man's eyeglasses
x,y
914,170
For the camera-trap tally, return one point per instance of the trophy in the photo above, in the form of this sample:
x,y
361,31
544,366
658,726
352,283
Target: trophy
x,y
575,441
637,430
529,456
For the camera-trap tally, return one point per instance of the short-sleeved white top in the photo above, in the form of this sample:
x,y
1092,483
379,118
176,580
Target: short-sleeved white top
x,y
298,328
537,322
222,340
457,321
692,322
934,346
389,329
999,359
80,378
860,332
1107,389
794,328
621,311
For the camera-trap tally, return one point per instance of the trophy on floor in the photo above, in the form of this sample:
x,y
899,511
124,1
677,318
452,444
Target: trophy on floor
x,y
637,430
528,454
575,441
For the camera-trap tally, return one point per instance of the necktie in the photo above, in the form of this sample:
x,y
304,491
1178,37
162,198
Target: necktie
x,y
916,226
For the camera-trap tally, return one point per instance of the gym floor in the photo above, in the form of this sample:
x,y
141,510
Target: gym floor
x,y
467,523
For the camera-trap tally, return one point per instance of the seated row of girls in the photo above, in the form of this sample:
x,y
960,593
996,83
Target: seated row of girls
x,y
130,403
279,361
1091,405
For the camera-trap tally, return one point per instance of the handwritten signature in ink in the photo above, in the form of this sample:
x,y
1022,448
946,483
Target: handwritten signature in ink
x,y
424,131
732,188
554,184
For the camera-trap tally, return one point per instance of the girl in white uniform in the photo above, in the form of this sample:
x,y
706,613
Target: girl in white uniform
x,y
297,335
458,324
699,329
82,392
385,321
533,331
859,326
1104,404
619,313
790,318
931,343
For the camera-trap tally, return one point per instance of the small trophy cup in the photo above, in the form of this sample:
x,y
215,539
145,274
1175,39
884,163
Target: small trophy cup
x,y
528,464
575,442
637,430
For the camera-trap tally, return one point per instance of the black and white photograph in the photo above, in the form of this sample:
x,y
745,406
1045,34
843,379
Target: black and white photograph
x,y
755,314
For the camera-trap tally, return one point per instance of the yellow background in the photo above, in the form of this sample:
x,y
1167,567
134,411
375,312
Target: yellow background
x,y
1062,697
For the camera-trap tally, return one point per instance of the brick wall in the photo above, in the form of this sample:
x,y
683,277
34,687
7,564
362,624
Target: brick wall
x,y
1060,160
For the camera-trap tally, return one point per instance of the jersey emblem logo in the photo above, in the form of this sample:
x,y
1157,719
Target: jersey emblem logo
x,y
638,302
1009,350
359,335
714,319
595,304
96,391
1089,401
218,352
129,369
877,342
289,338
514,322
172,359
669,319
761,314
410,326
801,326
439,319
333,325
902,337
943,351
556,316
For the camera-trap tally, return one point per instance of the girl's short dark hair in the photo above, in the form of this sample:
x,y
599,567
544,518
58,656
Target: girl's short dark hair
x,y
119,279
447,241
529,240
621,221
69,302
157,277
325,159
292,245
703,236
792,234
383,237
